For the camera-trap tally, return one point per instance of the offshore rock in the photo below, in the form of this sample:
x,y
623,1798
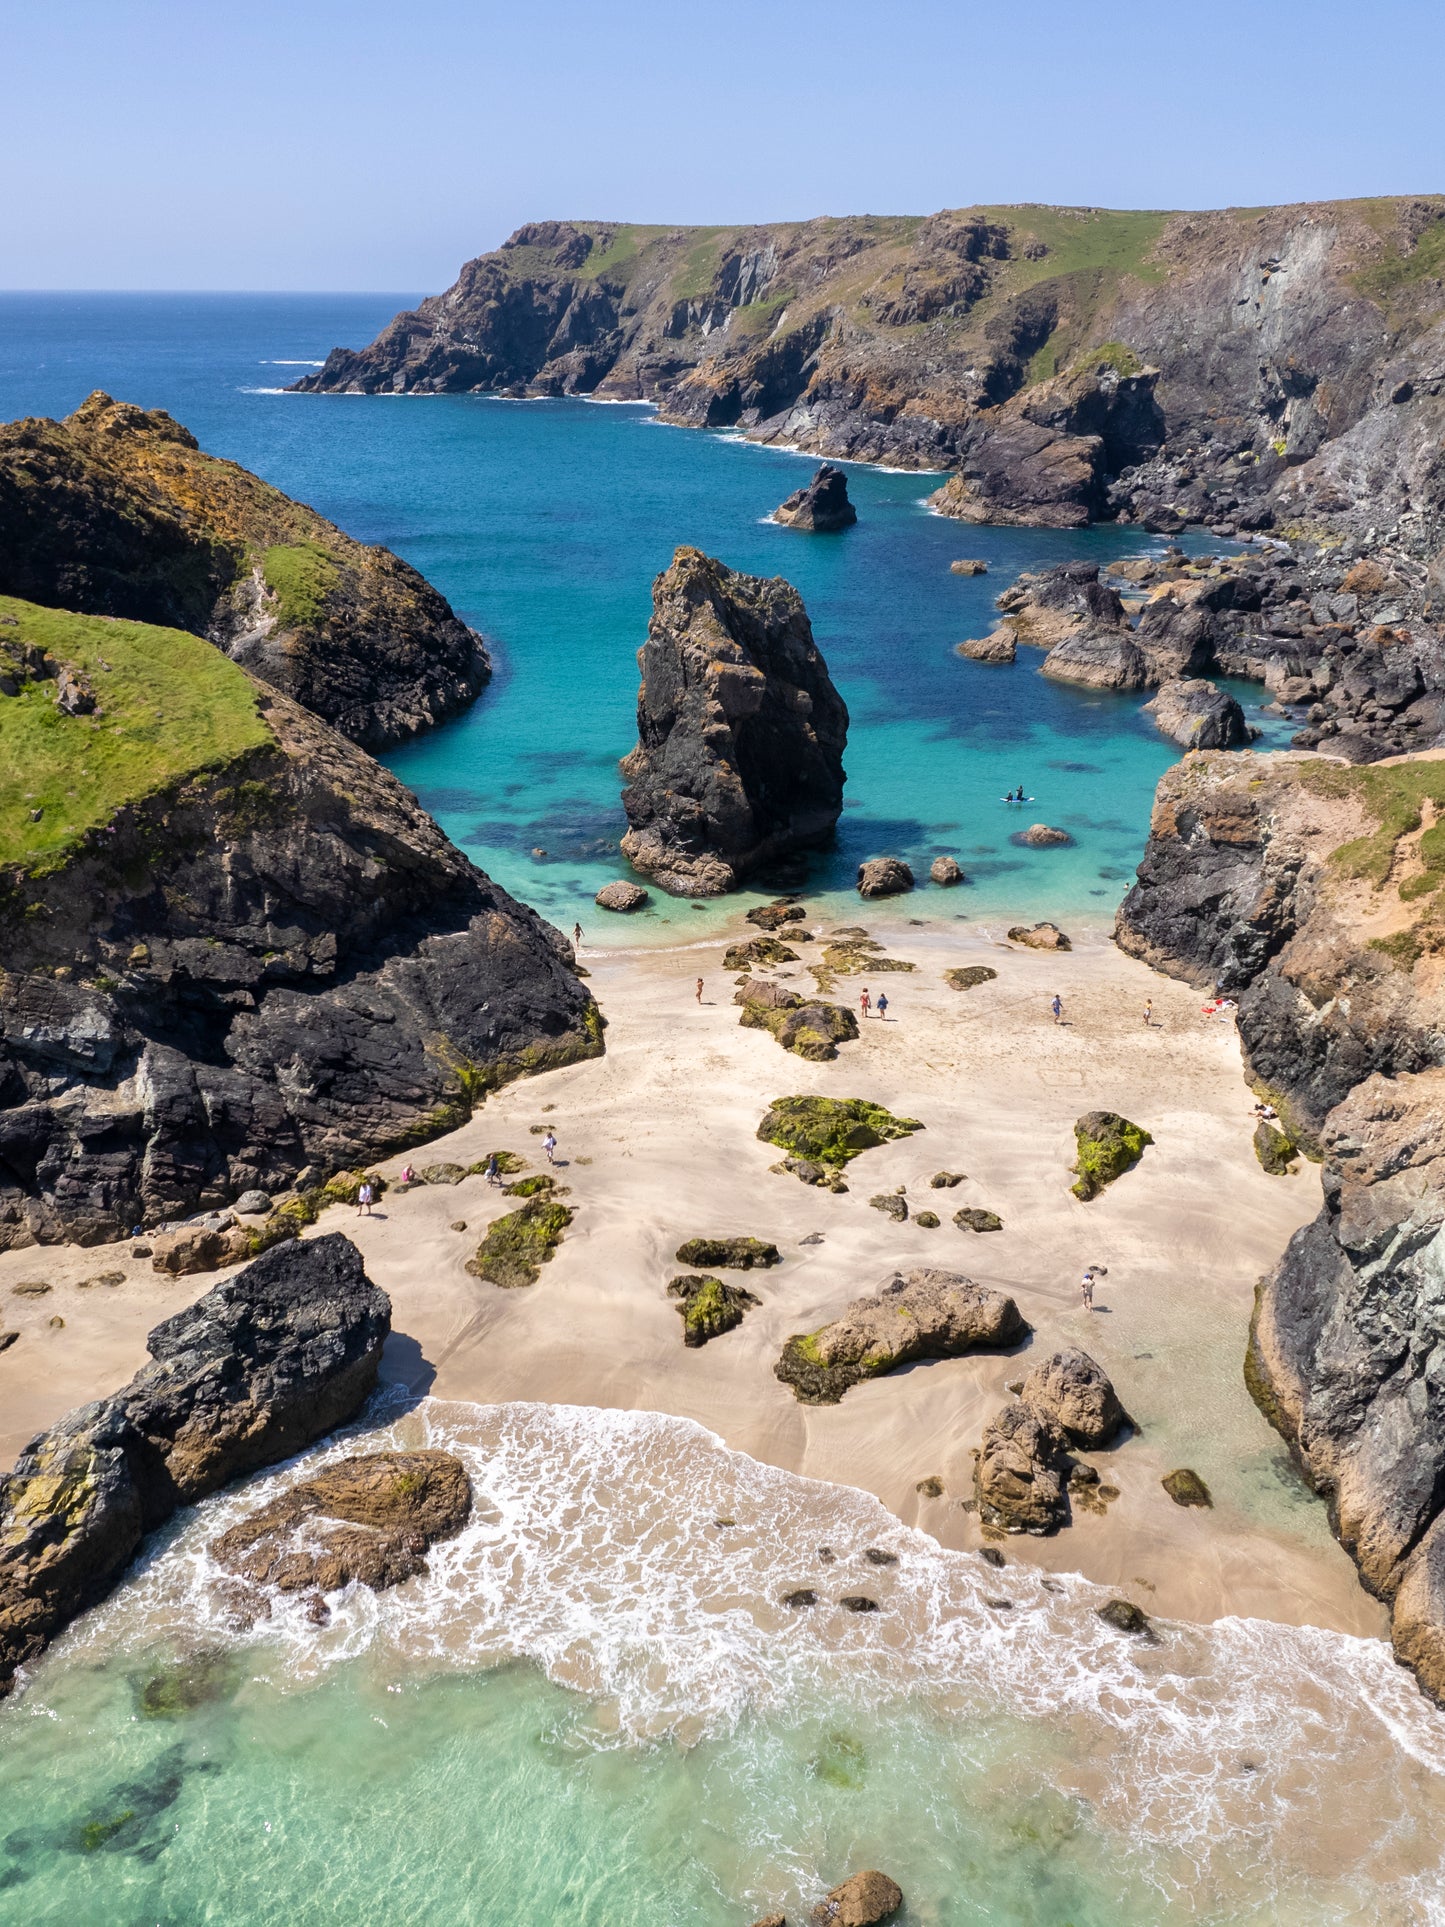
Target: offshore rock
x,y
741,733
248,1375
884,876
622,897
862,1900
947,871
117,512
822,506
276,963
998,646
1196,714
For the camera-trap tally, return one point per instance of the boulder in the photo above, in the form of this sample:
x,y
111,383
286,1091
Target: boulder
x,y
946,1180
822,507
621,896
1099,659
763,953
891,1205
369,1520
1041,836
445,1173
208,1244
709,1306
946,870
971,1218
862,1900
1021,1479
809,1028
831,1130
1196,714
916,1314
1073,1393
969,976
773,916
733,1254
252,1204
1125,1617
1040,936
999,645
739,760
884,876
969,566
248,1375
1276,1152
1108,1145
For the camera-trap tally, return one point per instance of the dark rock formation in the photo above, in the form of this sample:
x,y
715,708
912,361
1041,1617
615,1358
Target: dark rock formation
x,y
969,976
1196,714
1186,1488
518,1245
741,732
1123,1616
972,1218
733,1254
891,1205
709,1307
117,512
1275,1151
368,1520
808,1027
1021,1478
1073,1393
884,876
763,953
1309,891
277,963
248,1375
832,1130
915,1314
822,506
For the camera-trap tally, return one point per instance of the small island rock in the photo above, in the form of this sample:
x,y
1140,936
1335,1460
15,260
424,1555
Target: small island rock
x,y
946,870
1041,836
862,1900
969,565
1197,714
884,876
822,507
620,896
998,646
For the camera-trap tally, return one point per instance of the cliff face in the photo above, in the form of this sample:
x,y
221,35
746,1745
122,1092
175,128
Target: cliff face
x,y
231,948
1312,893
1253,368
115,511
741,733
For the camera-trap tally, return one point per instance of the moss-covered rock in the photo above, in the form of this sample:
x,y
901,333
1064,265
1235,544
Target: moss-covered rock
x,y
812,1030
1275,1151
507,1163
930,1220
891,1205
859,956
968,976
1108,1145
831,1130
808,1171
733,1254
709,1307
972,1218
202,1679
540,1185
759,953
1187,1488
518,1245
442,1173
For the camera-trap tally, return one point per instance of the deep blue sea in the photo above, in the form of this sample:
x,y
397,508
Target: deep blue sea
x,y
546,522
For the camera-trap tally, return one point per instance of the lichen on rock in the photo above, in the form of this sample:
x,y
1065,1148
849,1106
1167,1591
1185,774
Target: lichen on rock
x,y
709,1306
520,1243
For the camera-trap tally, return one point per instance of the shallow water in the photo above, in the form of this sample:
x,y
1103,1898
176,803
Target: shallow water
x,y
594,1708
545,523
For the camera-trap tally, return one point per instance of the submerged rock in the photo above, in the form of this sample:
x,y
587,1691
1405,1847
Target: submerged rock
x,y
822,506
1041,836
1074,1394
1108,1145
1196,714
740,731
368,1520
1187,1488
968,566
916,1314
884,876
709,1307
246,1376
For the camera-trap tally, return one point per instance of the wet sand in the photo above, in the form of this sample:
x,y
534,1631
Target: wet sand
x,y
657,1144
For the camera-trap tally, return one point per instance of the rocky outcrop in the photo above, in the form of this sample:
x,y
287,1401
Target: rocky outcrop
x,y
1196,714
1309,893
809,1027
915,1314
709,1307
368,1521
884,876
862,1900
117,512
822,507
946,871
248,967
1073,1393
831,1130
733,1254
622,897
998,646
248,1375
1106,1146
1021,1477
739,761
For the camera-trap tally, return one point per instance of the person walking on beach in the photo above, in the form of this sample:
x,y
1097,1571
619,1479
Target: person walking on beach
x,y
1086,1283
1148,1013
883,1005
549,1145
864,1003
699,990
1057,1007
364,1197
494,1169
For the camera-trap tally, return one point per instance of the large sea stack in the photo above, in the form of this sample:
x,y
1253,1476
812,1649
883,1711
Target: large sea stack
x,y
246,1376
231,945
116,511
741,733
822,508
1314,894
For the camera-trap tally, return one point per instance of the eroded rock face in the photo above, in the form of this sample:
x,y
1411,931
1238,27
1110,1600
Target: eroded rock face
x,y
117,512
1195,714
1073,1393
248,1375
278,964
368,1520
1021,1479
822,507
916,1314
741,733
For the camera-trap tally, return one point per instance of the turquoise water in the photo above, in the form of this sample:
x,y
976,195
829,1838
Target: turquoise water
x,y
545,523
594,1710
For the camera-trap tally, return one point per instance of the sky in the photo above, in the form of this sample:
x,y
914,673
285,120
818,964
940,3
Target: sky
x,y
346,144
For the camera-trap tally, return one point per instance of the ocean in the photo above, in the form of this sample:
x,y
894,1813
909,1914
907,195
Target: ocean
x,y
594,1709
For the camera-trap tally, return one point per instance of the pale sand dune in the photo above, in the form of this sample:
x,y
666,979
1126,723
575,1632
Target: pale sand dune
x,y
667,1122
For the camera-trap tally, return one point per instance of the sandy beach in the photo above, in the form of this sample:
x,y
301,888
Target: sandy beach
x,y
657,1143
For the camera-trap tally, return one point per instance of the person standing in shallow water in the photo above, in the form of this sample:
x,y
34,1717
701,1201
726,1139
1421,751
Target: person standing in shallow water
x,y
863,1003
576,936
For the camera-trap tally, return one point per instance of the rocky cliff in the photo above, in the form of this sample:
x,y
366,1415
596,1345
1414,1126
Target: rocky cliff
x,y
1249,368
246,1376
1314,894
115,511
739,761
231,945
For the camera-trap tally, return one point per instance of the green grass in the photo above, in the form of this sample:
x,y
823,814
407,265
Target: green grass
x,y
300,575
1086,237
169,705
1393,797
1398,271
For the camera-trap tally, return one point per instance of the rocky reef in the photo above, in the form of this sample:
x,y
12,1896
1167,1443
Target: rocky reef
x,y
915,1314
233,949
247,1376
739,761
117,511
822,507
1310,892
1244,369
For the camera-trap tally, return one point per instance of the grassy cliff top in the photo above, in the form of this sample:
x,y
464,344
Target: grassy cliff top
x,y
166,705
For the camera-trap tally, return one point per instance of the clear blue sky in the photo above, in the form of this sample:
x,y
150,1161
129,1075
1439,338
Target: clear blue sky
x,y
351,144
